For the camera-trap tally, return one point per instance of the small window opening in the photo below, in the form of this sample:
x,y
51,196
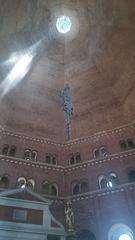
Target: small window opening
x,y
33,155
130,143
12,151
103,183
53,160
96,153
113,179
84,187
48,159
72,160
75,158
27,154
76,189
46,188
31,184
123,145
103,152
53,190
5,150
21,182
78,158
4,182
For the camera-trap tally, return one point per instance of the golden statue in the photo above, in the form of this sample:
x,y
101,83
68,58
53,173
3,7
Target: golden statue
x,y
69,214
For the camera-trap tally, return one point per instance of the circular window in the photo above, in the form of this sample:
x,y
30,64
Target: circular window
x,y
125,237
63,24
120,232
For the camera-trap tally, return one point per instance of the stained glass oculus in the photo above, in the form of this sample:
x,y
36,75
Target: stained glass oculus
x,y
63,24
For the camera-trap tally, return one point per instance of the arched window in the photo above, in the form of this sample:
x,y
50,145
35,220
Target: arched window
x,y
54,160
27,154
51,159
78,158
85,235
100,152
123,145
131,175
34,155
31,184
112,178
103,151
76,189
4,182
21,182
48,159
72,160
54,190
50,189
108,182
103,181
12,151
5,150
96,153
84,186
75,158
46,188
130,143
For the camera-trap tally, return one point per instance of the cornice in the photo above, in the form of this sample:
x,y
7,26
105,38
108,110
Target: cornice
x,y
93,162
23,162
92,138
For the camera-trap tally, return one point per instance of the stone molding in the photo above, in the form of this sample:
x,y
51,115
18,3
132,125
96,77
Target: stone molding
x,y
89,195
94,193
89,163
92,138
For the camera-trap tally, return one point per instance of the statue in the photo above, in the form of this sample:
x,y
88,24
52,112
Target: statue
x,y
69,214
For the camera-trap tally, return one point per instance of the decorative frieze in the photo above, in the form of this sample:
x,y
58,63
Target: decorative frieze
x,y
82,165
94,138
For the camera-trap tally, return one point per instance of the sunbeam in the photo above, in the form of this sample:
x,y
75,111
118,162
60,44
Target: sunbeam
x,y
22,64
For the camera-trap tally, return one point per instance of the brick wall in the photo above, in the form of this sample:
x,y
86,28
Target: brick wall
x,y
96,210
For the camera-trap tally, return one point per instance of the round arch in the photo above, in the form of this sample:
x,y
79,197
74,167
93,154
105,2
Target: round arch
x,y
118,230
54,189
4,181
84,185
102,181
31,183
21,181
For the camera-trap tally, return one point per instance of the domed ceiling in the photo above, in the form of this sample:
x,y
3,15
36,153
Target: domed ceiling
x,y
96,59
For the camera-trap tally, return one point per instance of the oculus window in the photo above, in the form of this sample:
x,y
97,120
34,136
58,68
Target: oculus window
x,y
63,24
